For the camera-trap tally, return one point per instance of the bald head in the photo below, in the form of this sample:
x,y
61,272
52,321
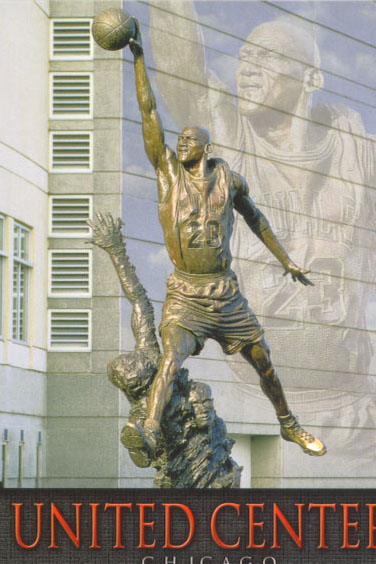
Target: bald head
x,y
287,39
278,70
202,134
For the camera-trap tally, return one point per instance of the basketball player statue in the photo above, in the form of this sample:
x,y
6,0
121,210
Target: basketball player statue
x,y
193,450
197,195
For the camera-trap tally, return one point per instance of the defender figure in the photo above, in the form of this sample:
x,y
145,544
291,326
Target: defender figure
x,y
197,196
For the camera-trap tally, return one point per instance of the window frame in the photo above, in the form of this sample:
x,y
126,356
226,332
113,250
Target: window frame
x,y
28,265
3,256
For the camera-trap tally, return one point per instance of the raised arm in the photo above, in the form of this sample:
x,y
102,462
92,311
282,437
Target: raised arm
x,y
179,55
256,220
191,91
151,123
108,236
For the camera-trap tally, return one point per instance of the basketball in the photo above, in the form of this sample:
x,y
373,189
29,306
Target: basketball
x,y
112,29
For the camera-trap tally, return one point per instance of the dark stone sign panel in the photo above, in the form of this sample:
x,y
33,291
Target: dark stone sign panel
x,y
187,526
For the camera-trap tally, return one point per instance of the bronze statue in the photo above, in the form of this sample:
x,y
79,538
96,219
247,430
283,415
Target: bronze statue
x,y
193,450
197,195
310,161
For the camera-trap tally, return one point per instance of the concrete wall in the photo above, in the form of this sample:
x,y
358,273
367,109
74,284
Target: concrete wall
x,y
23,197
83,407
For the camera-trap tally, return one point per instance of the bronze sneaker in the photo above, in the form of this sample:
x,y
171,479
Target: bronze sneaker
x,y
292,431
140,443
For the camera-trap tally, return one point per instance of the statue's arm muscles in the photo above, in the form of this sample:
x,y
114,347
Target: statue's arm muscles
x,y
256,220
158,153
107,234
243,204
151,123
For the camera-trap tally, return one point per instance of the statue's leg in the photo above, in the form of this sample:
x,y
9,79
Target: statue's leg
x,y
258,355
178,344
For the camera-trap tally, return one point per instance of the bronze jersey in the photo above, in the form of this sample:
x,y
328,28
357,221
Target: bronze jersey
x,y
197,220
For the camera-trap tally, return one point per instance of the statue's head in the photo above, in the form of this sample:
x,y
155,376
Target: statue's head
x,y
201,401
277,63
193,144
133,372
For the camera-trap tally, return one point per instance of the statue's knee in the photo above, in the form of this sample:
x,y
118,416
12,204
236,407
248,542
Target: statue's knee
x,y
268,375
261,357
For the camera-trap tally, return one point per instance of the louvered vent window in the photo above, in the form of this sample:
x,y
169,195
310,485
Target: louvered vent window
x,y
69,330
68,215
71,151
70,273
71,39
71,96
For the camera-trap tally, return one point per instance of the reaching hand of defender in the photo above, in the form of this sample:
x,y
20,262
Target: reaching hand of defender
x,y
135,43
297,273
107,232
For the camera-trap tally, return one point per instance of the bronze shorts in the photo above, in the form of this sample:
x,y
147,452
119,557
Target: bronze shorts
x,y
211,306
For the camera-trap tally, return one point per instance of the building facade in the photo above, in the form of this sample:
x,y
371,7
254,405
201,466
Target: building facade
x,y
71,145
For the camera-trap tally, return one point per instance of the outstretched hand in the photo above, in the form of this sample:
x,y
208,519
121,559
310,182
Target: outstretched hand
x,y
106,232
135,43
297,273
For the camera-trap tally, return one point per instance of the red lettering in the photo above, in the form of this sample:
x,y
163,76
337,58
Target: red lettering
x,y
189,514
118,508
277,514
253,524
323,507
17,507
94,525
55,514
144,524
347,524
372,527
213,526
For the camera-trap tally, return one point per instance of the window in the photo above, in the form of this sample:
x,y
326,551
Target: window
x,y
71,151
68,215
69,330
71,96
2,257
69,273
71,39
21,274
